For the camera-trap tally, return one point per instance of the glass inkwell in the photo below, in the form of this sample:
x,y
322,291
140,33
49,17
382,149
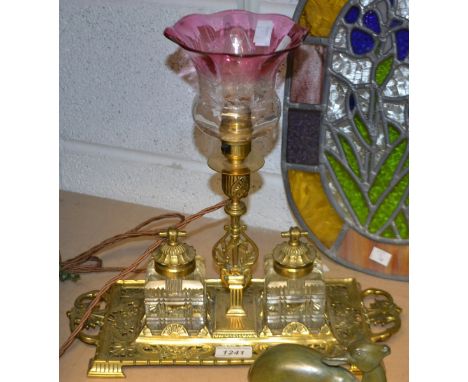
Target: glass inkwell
x,y
294,285
174,288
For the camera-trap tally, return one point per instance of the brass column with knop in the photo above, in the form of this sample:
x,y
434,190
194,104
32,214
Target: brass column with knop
x,y
235,253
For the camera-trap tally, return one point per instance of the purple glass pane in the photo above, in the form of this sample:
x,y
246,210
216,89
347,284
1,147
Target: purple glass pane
x,y
307,77
303,137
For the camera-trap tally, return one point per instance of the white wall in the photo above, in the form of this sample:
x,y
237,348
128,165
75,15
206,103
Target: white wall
x,y
126,130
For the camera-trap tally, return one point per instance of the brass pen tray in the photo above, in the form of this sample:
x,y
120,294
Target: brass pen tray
x,y
123,340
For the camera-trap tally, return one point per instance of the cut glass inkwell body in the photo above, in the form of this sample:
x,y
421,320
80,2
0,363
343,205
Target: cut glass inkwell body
x,y
174,288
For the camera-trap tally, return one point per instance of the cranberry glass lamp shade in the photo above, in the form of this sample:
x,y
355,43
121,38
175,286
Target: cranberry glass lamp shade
x,y
236,54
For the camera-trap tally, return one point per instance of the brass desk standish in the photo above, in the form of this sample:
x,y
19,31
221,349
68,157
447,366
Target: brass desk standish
x,y
123,339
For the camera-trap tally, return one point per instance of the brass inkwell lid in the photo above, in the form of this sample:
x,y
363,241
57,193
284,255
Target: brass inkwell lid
x,y
294,258
174,259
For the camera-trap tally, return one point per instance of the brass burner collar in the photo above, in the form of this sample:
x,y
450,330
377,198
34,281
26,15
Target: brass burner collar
x,y
175,272
292,273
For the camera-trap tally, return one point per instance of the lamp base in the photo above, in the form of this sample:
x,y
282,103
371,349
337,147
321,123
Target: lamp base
x,y
124,340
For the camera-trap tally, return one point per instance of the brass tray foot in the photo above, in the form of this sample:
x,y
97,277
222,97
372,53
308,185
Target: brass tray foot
x,y
110,369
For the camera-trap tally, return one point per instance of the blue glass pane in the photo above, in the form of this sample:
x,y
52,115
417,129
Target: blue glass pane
x,y
361,41
352,15
402,43
392,2
395,23
371,21
352,102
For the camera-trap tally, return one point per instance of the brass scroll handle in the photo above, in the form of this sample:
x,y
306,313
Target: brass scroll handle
x,y
381,311
96,320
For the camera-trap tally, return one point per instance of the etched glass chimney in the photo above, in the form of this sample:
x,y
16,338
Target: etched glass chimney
x,y
237,54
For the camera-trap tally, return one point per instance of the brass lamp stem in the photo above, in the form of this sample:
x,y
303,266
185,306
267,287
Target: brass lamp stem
x,y
235,253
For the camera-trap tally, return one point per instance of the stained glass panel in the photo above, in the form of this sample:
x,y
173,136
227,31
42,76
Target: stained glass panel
x,y
362,167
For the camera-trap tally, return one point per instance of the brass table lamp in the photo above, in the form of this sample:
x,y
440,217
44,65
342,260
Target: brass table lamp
x,y
236,55
178,317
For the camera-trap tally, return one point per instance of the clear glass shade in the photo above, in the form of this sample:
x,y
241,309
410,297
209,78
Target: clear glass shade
x,y
237,55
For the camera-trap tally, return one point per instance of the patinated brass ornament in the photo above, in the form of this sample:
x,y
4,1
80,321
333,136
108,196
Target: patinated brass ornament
x,y
280,363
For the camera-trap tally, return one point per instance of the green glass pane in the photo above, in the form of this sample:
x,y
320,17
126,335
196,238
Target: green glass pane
x,y
350,188
362,128
387,171
350,156
389,205
402,225
393,133
383,70
388,233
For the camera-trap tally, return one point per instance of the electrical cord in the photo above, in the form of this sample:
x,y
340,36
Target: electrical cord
x,y
74,265
78,265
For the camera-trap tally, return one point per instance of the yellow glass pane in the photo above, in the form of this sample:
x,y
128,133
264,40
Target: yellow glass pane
x,y
320,15
314,207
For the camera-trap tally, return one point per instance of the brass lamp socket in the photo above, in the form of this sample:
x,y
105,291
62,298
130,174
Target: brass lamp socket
x,y
236,151
236,124
236,132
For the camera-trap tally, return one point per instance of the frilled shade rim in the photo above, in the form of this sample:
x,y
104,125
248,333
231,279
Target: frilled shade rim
x,y
186,32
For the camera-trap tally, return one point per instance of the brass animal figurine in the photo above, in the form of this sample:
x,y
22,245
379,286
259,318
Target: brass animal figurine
x,y
296,363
